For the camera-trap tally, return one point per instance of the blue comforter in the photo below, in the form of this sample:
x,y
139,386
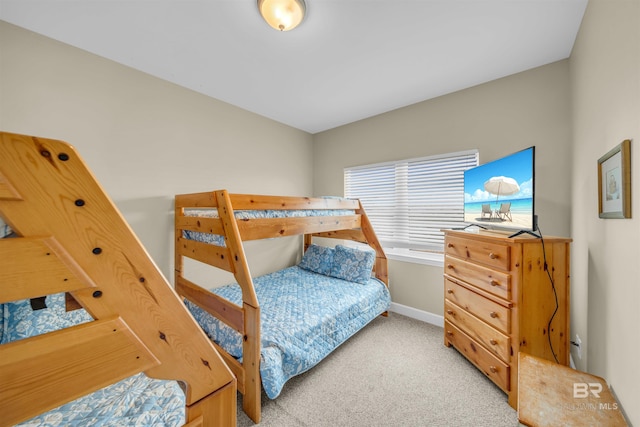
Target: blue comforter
x,y
304,317
134,401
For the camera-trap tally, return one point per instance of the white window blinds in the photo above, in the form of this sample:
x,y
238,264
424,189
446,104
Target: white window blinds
x,y
410,201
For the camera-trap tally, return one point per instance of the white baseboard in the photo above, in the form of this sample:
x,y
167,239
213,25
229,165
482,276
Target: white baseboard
x,y
571,364
415,313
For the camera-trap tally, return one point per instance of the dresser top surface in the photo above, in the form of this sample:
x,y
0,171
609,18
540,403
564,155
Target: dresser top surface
x,y
503,236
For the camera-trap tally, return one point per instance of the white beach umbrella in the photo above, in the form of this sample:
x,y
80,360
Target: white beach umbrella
x,y
501,185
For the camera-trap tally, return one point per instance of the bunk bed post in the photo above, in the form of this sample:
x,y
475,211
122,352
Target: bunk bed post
x,y
380,267
251,402
308,239
178,262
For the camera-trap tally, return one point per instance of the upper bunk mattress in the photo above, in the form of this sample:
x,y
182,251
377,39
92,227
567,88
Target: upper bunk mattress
x,y
304,316
218,240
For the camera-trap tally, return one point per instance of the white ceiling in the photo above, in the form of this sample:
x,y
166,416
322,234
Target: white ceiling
x,y
348,60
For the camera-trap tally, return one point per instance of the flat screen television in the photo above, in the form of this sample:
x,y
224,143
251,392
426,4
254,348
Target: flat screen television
x,y
500,194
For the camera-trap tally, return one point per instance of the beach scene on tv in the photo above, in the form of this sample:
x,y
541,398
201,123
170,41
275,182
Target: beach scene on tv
x,y
500,193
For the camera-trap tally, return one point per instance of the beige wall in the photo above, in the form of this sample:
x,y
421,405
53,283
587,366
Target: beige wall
x,y
417,286
498,118
146,139
605,77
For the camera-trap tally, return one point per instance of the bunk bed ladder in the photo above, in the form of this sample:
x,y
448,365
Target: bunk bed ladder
x,y
71,238
230,257
251,344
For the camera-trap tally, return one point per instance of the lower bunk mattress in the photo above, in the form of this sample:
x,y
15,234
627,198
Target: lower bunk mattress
x,y
134,401
304,316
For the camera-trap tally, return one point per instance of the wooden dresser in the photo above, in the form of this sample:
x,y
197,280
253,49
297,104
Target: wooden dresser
x,y
499,300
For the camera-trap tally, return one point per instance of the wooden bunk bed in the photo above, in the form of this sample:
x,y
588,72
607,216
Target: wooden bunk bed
x,y
71,240
211,228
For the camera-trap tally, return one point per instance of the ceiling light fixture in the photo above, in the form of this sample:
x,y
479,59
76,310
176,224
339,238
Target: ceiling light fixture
x,y
283,15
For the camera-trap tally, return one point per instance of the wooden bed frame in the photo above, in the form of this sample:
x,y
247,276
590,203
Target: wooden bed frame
x,y
71,238
246,318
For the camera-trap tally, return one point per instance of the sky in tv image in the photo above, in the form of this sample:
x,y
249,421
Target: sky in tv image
x,y
517,166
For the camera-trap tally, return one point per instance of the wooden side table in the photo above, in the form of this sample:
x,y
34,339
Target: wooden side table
x,y
556,395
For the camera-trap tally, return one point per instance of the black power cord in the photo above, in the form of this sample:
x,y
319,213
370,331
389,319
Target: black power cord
x,y
555,294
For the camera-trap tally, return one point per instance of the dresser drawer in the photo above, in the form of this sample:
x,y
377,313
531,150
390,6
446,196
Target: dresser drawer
x,y
492,367
493,340
487,253
495,282
486,310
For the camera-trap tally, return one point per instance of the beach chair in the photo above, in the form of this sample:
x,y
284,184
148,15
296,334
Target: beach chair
x,y
504,212
486,209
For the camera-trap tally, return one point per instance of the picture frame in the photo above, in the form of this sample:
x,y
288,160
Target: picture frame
x,y
614,182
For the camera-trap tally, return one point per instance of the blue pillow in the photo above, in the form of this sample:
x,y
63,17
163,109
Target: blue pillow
x,y
352,264
318,259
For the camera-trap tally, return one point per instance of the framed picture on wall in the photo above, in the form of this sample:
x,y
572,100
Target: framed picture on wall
x,y
614,182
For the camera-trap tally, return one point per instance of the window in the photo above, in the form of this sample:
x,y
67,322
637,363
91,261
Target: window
x,y
410,201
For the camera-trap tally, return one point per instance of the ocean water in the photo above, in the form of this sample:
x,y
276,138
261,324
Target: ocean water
x,y
518,206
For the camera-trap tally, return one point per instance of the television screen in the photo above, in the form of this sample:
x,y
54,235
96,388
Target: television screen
x,y
500,194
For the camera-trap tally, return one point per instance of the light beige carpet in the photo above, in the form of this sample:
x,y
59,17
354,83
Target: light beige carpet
x,y
395,372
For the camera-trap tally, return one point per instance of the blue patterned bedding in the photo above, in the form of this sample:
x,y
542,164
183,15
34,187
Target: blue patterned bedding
x,y
304,316
134,401
218,240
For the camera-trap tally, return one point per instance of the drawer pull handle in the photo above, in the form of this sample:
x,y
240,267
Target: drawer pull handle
x,y
450,312
449,291
493,342
449,333
451,267
493,369
493,256
493,314
449,245
495,283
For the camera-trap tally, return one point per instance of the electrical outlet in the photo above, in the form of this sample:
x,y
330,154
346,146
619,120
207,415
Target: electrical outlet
x,y
579,346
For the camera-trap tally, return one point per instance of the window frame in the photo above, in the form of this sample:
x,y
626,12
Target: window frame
x,y
395,203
